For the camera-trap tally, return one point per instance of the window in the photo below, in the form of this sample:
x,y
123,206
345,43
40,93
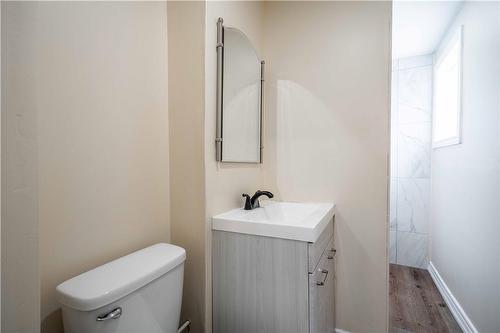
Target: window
x,y
447,93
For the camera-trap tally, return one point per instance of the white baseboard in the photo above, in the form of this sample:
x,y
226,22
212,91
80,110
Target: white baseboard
x,y
456,309
338,330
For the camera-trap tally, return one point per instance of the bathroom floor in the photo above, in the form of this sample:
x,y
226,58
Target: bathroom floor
x,y
416,304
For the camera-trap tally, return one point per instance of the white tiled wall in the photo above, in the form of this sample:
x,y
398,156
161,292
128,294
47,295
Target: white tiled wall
x,y
410,160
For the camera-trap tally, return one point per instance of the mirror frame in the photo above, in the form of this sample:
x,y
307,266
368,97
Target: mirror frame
x,y
220,102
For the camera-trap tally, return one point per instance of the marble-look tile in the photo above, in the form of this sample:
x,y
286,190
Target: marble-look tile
x,y
393,199
394,97
414,150
392,247
411,105
414,95
394,124
395,64
412,62
412,249
394,151
413,196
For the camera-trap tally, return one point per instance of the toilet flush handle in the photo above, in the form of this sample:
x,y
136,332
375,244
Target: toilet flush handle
x,y
113,314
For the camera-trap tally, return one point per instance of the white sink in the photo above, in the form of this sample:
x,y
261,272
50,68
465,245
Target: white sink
x,y
289,220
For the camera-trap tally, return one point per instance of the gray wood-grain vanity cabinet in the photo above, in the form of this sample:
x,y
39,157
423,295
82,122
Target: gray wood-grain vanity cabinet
x,y
265,284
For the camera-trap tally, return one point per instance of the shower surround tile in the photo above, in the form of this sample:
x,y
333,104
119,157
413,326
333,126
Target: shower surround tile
x,y
411,115
394,97
394,124
414,95
392,247
412,249
393,197
413,197
414,150
412,62
394,150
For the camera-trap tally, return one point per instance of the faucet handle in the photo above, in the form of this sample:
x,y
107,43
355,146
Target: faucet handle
x,y
248,204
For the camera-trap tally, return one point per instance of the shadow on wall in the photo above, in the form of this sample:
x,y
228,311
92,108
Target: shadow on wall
x,y
52,323
324,150
308,132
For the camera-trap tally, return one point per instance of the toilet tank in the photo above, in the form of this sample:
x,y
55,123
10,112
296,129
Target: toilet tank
x,y
141,292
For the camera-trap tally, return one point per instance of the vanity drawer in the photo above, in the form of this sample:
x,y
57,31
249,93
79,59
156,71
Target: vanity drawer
x,y
316,249
322,295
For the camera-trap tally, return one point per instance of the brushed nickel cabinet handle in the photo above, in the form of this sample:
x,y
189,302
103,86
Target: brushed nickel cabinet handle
x,y
322,283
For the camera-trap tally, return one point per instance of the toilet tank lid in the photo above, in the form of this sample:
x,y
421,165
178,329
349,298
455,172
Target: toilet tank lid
x,y
118,278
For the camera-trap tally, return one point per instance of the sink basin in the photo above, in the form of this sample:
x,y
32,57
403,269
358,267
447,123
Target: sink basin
x,y
289,220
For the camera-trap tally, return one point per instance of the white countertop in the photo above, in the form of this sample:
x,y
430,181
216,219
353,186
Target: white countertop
x,y
289,220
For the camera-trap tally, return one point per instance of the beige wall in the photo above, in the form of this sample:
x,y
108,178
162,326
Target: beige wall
x,y
101,95
225,182
326,132
20,279
327,88
103,136
465,196
0,177
186,47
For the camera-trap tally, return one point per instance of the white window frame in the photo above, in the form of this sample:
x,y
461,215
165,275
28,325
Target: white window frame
x,y
456,139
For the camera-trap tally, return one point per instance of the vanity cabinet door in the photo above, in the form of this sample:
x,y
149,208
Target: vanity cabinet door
x,y
321,296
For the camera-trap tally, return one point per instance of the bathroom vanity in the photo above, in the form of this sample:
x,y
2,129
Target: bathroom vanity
x,y
274,269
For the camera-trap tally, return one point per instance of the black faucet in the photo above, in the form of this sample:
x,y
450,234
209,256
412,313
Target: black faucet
x,y
253,202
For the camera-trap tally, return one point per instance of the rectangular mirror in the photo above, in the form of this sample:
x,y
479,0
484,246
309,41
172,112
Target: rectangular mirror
x,y
239,98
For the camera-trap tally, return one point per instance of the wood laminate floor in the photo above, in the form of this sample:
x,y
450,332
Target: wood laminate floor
x,y
416,304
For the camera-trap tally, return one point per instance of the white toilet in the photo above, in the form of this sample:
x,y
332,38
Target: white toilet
x,y
138,293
